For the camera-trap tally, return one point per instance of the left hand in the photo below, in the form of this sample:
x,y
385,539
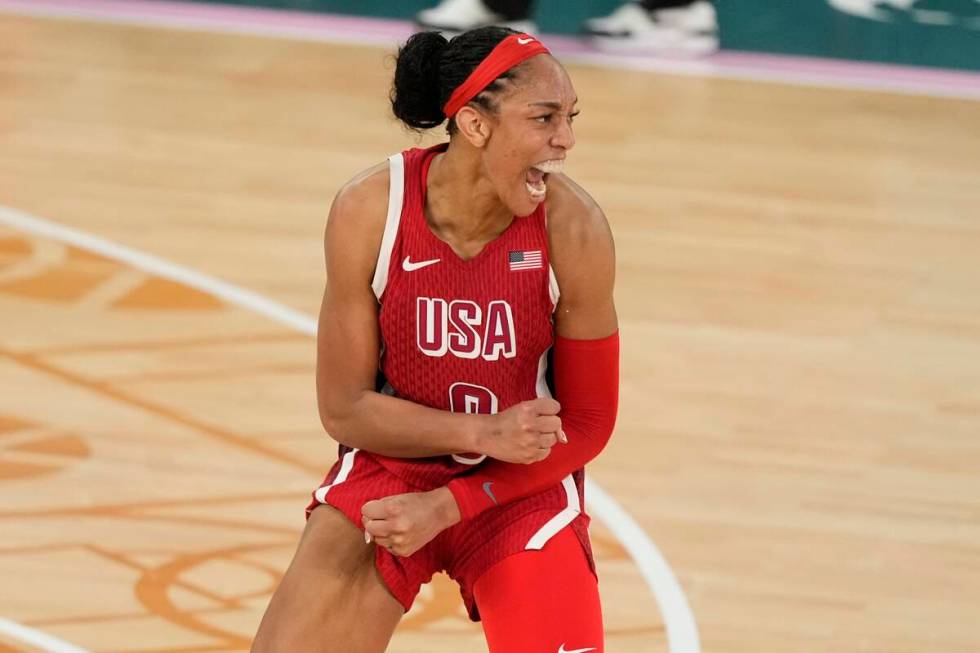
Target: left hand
x,y
404,523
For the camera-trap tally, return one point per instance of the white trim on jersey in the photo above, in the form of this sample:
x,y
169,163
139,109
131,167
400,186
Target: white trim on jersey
x,y
553,287
541,387
559,521
396,196
574,507
346,464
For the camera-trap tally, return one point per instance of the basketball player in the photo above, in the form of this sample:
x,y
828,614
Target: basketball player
x,y
465,283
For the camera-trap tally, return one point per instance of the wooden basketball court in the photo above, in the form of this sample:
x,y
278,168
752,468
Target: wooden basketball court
x,y
799,294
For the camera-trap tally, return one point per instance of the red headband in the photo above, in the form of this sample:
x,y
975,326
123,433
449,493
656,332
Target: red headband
x,y
511,51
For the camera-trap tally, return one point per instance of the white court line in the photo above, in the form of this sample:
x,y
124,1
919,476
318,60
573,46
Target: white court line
x,y
681,629
36,638
149,263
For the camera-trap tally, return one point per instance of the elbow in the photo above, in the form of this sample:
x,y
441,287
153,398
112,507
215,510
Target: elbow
x,y
591,432
600,442
330,422
336,421
603,441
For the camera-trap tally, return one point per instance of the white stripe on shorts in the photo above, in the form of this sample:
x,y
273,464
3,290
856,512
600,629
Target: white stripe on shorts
x,y
346,464
559,521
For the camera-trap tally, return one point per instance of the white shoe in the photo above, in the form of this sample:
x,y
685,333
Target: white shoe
x,y
461,15
691,30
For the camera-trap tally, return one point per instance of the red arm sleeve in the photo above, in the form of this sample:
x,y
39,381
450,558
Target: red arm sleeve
x,y
587,386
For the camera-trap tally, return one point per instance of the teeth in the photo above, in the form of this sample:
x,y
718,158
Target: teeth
x,y
554,165
537,193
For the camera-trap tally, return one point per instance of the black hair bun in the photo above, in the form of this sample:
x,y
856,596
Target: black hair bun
x,y
415,92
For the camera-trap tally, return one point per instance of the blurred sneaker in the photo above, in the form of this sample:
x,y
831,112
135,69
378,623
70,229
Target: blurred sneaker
x,y
461,15
691,30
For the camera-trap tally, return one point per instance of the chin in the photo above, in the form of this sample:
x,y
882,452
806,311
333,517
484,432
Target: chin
x,y
525,209
525,206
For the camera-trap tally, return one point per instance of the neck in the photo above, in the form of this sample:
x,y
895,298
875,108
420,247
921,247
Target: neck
x,y
461,205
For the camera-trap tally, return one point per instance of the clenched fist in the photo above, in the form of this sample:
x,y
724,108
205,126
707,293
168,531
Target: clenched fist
x,y
524,433
404,523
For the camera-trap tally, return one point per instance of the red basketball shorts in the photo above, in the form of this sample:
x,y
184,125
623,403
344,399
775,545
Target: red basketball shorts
x,y
464,551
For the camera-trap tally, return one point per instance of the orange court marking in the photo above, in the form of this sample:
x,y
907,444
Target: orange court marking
x,y
107,390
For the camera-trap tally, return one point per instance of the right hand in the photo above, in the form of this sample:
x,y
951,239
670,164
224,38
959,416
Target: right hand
x,y
525,432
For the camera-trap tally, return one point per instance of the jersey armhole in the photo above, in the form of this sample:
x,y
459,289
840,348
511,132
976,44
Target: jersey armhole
x,y
396,194
553,292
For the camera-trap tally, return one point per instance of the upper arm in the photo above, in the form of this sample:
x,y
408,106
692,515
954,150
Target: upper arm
x,y
584,258
347,332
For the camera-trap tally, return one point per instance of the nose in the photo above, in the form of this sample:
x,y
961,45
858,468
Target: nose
x,y
564,136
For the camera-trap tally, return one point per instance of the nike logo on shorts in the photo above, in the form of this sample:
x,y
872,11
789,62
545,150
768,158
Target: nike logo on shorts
x,y
408,266
486,488
577,650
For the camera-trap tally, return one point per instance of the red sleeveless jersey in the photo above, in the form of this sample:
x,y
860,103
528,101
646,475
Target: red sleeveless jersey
x,y
460,335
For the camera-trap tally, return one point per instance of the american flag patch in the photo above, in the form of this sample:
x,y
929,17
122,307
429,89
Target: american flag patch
x,y
525,260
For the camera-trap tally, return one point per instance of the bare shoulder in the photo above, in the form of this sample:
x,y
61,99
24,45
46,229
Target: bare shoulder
x,y
355,226
584,259
575,220
362,203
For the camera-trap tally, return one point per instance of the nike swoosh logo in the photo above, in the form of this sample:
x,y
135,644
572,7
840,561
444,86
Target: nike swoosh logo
x,y
525,42
578,650
486,488
408,266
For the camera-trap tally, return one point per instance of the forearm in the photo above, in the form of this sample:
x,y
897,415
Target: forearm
x,y
511,481
587,385
399,428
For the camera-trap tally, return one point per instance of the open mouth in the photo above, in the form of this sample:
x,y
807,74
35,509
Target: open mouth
x,y
536,177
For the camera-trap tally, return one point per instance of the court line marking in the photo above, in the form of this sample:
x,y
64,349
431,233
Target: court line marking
x,y
679,623
36,638
334,28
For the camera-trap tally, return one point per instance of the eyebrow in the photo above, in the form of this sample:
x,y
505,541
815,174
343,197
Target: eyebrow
x,y
551,104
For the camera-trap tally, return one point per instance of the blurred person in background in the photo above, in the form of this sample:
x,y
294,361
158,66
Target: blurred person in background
x,y
675,27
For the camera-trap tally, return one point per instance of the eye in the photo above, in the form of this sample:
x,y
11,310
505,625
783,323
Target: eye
x,y
571,116
543,119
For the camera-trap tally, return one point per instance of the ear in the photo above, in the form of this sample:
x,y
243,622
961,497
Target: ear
x,y
474,125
